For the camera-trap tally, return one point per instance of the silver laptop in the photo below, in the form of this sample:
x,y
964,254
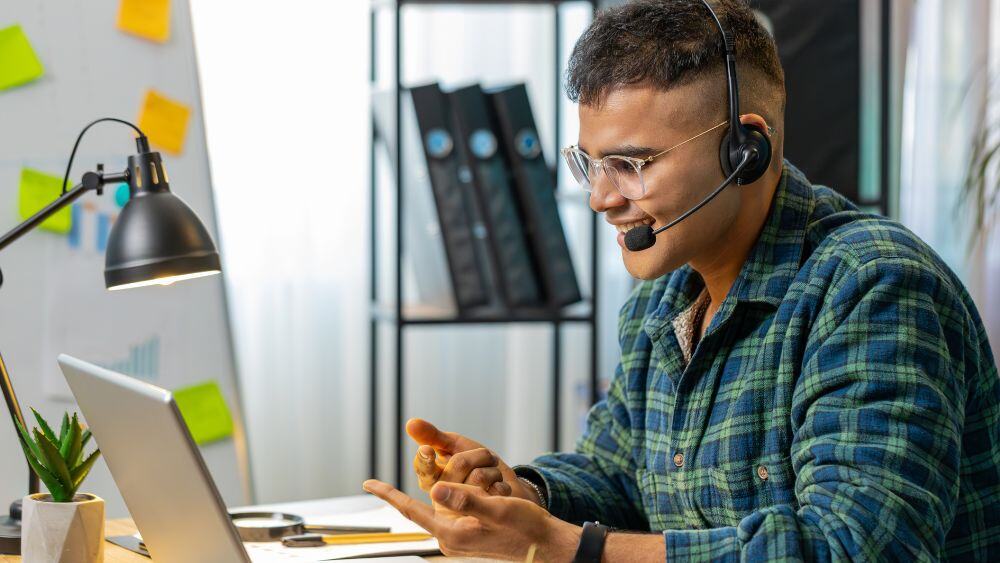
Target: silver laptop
x,y
156,466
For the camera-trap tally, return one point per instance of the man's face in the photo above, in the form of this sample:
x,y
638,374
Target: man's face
x,y
641,116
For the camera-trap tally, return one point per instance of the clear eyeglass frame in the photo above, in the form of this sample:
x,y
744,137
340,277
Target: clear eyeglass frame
x,y
625,172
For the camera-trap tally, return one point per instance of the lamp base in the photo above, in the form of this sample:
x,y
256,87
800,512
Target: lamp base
x,y
10,531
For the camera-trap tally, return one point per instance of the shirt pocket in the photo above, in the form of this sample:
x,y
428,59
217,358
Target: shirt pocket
x,y
739,489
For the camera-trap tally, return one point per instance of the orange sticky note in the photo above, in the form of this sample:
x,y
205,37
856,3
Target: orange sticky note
x,y
149,19
164,121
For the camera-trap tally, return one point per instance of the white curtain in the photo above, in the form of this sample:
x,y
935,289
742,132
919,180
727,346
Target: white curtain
x,y
947,84
286,97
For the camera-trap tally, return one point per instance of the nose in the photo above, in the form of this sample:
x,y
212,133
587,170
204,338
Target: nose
x,y
605,195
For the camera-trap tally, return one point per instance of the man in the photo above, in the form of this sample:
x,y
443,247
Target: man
x,y
798,380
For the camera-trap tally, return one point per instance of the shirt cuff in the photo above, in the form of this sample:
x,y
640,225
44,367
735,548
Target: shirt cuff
x,y
555,493
715,544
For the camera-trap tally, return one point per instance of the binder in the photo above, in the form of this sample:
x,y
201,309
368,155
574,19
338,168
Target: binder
x,y
452,201
424,261
536,193
495,193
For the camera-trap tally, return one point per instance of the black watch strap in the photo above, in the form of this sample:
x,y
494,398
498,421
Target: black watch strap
x,y
591,543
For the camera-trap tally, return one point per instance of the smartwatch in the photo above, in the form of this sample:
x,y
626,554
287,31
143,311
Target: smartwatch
x,y
591,543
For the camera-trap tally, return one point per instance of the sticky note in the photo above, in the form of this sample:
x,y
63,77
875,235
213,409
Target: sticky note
x,y
37,190
149,19
164,121
205,412
18,62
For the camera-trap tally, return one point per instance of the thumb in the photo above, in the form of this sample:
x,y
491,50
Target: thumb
x,y
425,433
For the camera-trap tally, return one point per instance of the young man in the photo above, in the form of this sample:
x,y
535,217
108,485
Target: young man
x,y
798,379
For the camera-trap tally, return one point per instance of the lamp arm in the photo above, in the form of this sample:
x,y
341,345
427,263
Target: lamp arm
x,y
92,181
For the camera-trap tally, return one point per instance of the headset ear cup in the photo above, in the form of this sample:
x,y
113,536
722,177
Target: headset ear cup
x,y
730,159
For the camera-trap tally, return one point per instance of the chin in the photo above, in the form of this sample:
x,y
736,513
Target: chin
x,y
649,264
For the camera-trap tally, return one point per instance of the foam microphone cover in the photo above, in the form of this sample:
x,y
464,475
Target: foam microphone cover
x,y
639,238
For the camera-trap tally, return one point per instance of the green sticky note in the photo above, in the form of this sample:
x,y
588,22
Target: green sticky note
x,y
205,412
37,190
18,62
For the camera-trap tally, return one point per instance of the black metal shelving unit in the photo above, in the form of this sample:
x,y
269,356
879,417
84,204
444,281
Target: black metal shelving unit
x,y
401,319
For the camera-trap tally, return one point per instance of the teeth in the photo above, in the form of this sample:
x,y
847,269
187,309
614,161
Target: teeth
x,y
629,226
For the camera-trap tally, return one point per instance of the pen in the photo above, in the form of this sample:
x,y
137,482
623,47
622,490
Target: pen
x,y
316,540
337,529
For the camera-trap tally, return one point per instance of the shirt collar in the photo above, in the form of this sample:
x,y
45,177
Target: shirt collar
x,y
776,258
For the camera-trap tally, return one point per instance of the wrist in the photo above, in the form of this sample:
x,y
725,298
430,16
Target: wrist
x,y
561,541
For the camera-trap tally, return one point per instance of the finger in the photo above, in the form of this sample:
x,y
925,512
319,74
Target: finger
x,y
425,433
470,501
415,511
461,464
484,477
500,488
427,470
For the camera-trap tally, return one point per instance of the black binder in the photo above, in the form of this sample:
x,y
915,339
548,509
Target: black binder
x,y
451,200
479,141
536,192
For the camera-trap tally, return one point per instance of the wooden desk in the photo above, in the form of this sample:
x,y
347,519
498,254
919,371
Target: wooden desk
x,y
122,527
112,552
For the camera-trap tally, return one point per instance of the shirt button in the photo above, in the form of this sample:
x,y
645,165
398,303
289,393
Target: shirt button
x,y
762,472
679,459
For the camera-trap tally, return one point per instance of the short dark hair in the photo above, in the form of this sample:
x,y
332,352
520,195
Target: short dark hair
x,y
667,43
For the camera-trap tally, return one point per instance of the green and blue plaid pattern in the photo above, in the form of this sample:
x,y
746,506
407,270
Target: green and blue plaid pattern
x,y
843,404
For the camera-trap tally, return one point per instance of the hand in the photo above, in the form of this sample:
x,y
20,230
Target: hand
x,y
453,458
467,521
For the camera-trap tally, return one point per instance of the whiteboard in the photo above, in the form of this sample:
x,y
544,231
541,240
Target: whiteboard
x,y
53,298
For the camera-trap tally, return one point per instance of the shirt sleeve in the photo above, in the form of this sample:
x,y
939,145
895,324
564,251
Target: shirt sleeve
x,y
597,481
877,417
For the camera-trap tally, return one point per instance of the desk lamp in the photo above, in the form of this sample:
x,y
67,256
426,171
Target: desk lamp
x,y
157,239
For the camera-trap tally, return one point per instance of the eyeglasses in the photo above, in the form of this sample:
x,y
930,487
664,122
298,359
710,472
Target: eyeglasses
x,y
625,172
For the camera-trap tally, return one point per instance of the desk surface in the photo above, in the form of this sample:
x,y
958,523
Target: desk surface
x,y
116,554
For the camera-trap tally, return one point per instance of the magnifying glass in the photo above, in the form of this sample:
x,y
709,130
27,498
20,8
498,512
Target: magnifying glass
x,y
263,526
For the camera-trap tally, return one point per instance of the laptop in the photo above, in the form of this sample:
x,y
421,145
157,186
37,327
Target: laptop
x,y
156,465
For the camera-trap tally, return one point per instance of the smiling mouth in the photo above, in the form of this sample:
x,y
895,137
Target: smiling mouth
x,y
629,226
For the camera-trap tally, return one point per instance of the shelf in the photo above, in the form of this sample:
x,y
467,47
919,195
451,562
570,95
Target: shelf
x,y
430,315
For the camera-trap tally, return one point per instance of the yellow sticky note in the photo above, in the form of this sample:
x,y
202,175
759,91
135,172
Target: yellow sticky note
x,y
205,412
149,19
37,190
164,121
18,62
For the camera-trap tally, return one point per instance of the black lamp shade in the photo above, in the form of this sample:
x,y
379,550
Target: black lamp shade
x,y
157,238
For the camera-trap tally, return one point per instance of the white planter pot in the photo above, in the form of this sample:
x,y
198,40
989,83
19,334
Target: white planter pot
x,y
63,532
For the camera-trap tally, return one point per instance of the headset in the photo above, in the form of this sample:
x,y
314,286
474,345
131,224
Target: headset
x,y
744,154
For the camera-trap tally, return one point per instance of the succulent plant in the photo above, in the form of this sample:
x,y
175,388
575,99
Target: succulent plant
x,y
58,460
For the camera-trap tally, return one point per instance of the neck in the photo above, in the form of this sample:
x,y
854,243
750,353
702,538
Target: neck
x,y
722,264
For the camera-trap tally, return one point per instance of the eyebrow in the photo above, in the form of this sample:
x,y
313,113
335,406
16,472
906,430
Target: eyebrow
x,y
626,150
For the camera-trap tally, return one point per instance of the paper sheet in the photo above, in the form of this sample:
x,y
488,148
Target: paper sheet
x,y
149,19
18,62
164,121
384,516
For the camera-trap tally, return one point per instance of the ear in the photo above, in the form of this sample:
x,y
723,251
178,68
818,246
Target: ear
x,y
757,122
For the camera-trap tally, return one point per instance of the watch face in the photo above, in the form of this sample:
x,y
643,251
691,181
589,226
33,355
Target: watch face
x,y
482,143
527,145
438,143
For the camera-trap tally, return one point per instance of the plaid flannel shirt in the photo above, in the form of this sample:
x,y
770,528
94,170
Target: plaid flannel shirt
x,y
843,404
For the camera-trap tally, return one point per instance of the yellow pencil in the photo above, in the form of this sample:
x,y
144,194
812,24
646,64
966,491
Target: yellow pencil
x,y
315,540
